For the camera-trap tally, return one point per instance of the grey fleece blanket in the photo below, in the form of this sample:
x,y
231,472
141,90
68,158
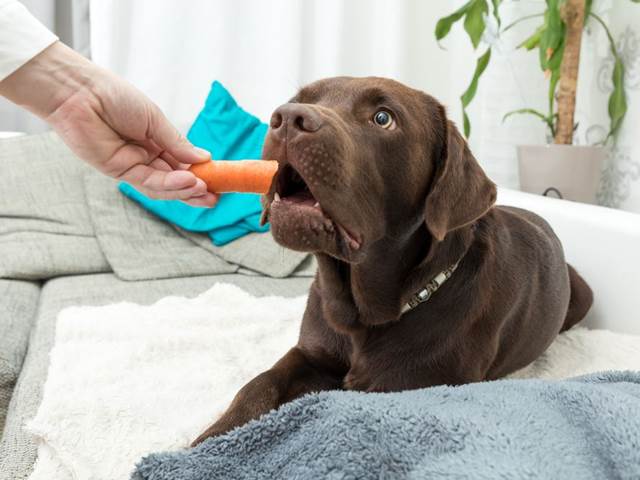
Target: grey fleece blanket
x,y
587,428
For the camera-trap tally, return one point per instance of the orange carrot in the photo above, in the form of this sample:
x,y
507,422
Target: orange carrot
x,y
236,175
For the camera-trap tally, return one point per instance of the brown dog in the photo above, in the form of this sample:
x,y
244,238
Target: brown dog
x,y
381,187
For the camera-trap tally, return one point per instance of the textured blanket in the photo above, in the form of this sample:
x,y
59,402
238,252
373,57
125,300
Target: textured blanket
x,y
586,428
127,380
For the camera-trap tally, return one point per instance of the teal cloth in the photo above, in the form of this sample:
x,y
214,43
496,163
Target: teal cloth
x,y
230,133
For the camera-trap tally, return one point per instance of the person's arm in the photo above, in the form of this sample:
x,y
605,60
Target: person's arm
x,y
104,120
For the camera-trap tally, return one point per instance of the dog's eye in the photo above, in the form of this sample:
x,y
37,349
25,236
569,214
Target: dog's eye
x,y
383,119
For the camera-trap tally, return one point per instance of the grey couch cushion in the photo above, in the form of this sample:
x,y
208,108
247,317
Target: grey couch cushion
x,y
45,229
139,245
18,305
17,449
257,252
60,217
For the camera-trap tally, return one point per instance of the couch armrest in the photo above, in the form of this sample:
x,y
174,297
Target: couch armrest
x,y
603,245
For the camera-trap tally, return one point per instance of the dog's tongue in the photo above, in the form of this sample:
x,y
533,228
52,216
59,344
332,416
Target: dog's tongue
x,y
302,198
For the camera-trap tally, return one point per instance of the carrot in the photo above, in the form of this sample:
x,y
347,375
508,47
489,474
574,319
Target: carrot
x,y
236,175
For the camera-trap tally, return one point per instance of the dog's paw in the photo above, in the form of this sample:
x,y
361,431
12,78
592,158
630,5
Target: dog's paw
x,y
214,430
353,381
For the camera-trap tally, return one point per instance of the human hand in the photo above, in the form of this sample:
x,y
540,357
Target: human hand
x,y
109,124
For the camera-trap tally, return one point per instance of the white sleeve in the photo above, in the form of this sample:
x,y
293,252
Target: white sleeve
x,y
22,37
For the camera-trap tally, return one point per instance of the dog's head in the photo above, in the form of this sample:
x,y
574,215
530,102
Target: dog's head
x,y
364,159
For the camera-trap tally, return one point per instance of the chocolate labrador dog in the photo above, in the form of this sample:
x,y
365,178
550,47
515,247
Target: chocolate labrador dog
x,y
421,281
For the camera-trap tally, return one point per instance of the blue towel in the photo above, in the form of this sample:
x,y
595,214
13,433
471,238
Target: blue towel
x,y
583,428
229,133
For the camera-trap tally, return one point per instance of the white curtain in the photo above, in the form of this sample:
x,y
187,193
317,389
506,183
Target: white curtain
x,y
265,50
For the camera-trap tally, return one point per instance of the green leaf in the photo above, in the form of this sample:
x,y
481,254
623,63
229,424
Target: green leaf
x,y
444,24
556,59
522,19
481,66
553,66
587,9
548,120
553,82
467,96
496,12
466,124
531,111
474,21
533,41
554,22
552,37
617,99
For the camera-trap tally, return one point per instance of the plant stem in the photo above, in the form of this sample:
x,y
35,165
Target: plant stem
x,y
516,22
572,14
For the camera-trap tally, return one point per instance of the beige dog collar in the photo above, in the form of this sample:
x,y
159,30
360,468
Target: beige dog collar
x,y
425,294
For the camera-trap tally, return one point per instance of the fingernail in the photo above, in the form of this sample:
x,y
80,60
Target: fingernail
x,y
204,154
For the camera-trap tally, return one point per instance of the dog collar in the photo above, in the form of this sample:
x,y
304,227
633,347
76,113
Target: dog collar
x,y
425,293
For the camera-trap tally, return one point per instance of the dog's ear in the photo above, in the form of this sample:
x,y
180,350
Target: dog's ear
x,y
460,191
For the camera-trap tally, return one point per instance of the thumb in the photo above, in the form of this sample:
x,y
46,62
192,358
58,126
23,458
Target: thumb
x,y
167,137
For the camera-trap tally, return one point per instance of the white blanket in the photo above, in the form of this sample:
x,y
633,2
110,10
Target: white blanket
x,y
126,380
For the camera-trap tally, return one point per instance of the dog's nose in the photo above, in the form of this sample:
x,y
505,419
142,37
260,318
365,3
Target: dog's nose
x,y
292,119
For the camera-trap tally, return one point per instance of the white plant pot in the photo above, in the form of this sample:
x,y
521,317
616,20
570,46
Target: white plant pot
x,y
571,172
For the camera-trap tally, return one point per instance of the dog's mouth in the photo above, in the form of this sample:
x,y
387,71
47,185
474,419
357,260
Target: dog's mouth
x,y
291,187
297,207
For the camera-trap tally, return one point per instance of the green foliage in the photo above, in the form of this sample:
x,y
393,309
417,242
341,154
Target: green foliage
x,y
549,120
496,13
587,9
474,13
534,40
444,24
617,99
468,95
549,39
474,21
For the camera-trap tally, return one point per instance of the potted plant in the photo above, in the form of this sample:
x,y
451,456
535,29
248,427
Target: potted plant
x,y
567,170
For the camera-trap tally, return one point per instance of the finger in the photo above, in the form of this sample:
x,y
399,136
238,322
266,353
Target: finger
x,y
199,190
175,164
201,187
161,164
156,151
163,160
150,178
153,149
186,195
169,139
208,200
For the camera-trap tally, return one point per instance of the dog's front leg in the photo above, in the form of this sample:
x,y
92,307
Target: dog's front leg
x,y
291,377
